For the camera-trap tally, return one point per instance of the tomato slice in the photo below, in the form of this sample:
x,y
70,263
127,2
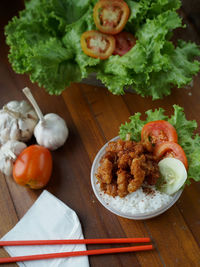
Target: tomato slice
x,y
158,131
124,41
97,45
111,16
170,149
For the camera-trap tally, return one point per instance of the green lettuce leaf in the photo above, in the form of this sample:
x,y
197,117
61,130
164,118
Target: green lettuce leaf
x,y
38,42
189,141
57,62
44,42
153,65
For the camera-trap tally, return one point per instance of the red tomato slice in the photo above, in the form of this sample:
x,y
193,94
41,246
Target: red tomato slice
x,y
124,41
170,149
97,45
111,16
158,131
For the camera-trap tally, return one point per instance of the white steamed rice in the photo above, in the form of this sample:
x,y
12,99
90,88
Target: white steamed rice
x,y
137,202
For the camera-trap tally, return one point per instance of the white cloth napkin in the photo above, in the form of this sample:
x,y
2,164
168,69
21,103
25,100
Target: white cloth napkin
x,y
48,218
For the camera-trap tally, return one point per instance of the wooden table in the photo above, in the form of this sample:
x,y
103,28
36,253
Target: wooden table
x,y
93,116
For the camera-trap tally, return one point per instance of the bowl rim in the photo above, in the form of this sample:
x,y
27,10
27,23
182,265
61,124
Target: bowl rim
x,y
137,216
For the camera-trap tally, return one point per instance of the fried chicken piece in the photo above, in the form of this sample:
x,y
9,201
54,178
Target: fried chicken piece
x,y
129,145
104,172
125,166
124,160
139,149
111,189
122,182
111,156
137,165
138,173
131,151
116,146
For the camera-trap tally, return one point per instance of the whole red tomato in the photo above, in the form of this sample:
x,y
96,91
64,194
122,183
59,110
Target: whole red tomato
x,y
33,167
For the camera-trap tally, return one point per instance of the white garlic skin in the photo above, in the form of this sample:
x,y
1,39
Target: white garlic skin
x,y
17,121
6,159
8,128
52,132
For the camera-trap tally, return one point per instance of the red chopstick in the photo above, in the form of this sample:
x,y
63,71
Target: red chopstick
x,y
75,241
75,253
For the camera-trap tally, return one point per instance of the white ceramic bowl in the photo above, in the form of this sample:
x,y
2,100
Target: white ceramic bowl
x,y
129,215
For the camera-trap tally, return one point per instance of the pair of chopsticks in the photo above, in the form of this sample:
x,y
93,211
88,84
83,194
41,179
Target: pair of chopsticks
x,y
75,253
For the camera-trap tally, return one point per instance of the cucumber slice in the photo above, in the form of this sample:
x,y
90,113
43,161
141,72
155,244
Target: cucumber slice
x,y
173,174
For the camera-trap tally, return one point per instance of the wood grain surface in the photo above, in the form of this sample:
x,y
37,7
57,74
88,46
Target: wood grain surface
x,y
93,116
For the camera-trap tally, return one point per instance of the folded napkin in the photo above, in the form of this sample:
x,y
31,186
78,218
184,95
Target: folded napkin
x,y
48,218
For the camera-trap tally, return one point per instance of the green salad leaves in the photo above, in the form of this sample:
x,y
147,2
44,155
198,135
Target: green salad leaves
x,y
189,141
45,43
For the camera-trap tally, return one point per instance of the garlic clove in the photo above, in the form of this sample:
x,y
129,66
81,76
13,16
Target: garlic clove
x,y
52,132
8,128
17,121
8,154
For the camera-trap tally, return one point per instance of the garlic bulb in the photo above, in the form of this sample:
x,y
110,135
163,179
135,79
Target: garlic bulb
x,y
51,131
17,121
8,154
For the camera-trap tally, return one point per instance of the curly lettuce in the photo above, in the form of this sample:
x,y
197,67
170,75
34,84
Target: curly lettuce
x,y
187,138
44,42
